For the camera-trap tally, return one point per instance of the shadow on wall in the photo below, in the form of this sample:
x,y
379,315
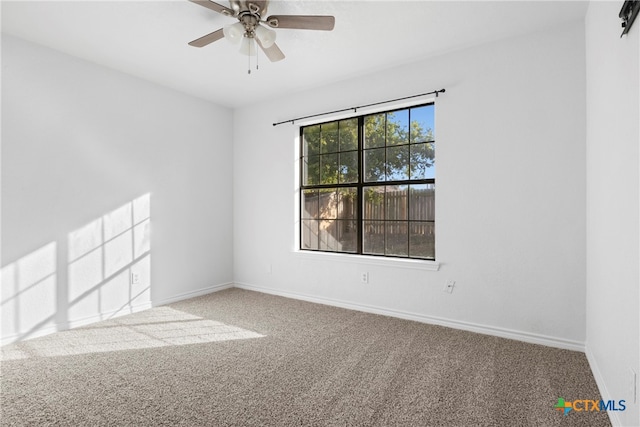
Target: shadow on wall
x,y
99,271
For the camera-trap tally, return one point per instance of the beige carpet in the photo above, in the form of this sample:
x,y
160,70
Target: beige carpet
x,y
240,358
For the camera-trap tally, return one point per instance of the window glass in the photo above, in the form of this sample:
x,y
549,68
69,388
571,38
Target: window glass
x,y
329,137
348,134
311,140
422,126
422,162
348,167
374,165
374,131
397,163
397,127
329,168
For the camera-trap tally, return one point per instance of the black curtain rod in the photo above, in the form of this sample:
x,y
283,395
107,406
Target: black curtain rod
x,y
292,121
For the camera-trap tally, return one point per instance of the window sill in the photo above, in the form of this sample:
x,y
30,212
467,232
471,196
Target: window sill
x,y
416,264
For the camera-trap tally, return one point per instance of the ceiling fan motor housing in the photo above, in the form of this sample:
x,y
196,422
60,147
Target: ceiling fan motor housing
x,y
249,21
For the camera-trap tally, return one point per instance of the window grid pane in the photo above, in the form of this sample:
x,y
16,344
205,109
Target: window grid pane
x,y
329,169
421,239
422,124
374,165
348,135
348,167
329,138
397,130
422,161
396,238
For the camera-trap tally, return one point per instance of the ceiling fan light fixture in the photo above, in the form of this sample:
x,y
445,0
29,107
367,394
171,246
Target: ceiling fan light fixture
x,y
248,32
234,32
248,46
266,36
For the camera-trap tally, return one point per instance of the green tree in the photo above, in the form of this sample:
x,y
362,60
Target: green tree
x,y
330,153
397,148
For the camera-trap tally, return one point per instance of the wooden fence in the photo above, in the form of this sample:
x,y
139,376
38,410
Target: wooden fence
x,y
388,216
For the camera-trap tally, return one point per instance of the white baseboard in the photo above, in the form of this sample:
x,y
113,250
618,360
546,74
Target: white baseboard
x,y
434,320
192,294
76,323
602,386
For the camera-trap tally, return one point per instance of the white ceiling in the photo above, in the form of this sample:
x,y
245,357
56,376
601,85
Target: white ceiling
x,y
149,39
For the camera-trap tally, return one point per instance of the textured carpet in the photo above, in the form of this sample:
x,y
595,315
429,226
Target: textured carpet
x,y
241,358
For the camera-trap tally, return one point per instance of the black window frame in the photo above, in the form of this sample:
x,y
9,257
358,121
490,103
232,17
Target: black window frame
x,y
361,185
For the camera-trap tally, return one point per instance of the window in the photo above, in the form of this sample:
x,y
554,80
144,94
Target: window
x,y
368,184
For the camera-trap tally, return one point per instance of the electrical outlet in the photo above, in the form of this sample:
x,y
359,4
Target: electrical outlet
x,y
364,277
448,287
135,278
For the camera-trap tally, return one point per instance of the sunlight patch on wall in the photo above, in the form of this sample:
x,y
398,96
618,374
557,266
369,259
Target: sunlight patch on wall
x,y
104,257
154,328
29,291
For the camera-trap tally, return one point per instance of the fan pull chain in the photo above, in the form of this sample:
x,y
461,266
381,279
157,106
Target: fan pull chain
x,y
251,48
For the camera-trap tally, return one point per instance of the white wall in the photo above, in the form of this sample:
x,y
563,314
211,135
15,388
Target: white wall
x,y
613,199
104,174
510,134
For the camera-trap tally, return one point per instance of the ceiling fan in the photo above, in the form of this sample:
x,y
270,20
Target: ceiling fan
x,y
249,27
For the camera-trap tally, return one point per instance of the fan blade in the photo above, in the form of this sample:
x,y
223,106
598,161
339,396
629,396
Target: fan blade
x,y
273,52
302,22
214,6
209,38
